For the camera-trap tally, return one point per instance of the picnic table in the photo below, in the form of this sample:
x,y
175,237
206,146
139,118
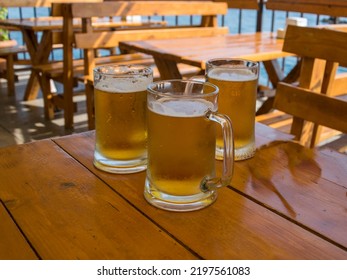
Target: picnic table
x,y
287,202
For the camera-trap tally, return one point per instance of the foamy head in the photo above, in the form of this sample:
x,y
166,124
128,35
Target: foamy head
x,y
181,107
232,74
122,79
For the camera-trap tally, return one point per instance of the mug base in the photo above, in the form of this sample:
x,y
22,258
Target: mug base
x,y
177,203
119,166
242,153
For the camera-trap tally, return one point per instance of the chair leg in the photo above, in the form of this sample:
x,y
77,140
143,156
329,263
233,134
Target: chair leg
x,y
47,96
10,75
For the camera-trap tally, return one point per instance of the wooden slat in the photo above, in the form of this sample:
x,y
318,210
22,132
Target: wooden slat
x,y
301,184
256,46
38,3
111,39
316,43
13,245
339,85
323,7
242,4
149,8
233,219
68,213
314,107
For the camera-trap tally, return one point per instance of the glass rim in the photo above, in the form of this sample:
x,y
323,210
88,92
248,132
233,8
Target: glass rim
x,y
141,70
151,89
230,59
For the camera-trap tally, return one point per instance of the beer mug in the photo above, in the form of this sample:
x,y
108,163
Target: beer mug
x,y
237,81
120,94
182,117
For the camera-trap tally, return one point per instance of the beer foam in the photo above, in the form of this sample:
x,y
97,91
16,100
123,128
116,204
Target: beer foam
x,y
124,85
181,108
232,74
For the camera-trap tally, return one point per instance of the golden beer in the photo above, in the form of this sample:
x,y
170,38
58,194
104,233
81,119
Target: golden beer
x,y
181,173
237,99
120,123
181,146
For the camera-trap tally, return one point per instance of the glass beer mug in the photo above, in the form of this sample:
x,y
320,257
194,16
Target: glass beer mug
x,y
120,93
237,81
182,117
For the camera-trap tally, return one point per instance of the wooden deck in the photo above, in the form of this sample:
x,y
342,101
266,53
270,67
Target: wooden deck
x,y
23,121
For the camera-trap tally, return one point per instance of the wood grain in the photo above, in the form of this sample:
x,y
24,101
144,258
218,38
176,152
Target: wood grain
x,y
68,213
13,245
235,227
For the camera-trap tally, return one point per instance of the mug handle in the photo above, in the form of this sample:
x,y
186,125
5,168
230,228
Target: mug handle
x,y
209,184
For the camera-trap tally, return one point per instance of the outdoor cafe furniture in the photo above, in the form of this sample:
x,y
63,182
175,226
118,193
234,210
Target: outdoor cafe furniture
x,y
40,50
37,35
90,39
287,202
260,46
322,51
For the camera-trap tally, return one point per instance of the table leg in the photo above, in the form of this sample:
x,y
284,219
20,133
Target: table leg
x,y
39,53
168,69
10,75
32,88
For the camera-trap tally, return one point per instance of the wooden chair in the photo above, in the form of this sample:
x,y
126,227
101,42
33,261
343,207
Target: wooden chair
x,y
321,50
306,105
90,38
8,56
10,53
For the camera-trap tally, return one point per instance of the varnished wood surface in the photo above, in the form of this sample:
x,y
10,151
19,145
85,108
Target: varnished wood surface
x,y
12,243
260,46
55,23
288,202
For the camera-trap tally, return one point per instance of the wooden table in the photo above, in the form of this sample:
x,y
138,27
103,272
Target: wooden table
x,y
40,47
288,202
261,46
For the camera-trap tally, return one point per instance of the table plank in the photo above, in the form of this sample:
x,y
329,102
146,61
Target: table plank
x,y
299,184
13,245
234,227
259,46
68,213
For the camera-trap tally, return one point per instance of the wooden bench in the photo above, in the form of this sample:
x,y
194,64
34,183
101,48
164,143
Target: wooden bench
x,y
8,55
91,38
322,51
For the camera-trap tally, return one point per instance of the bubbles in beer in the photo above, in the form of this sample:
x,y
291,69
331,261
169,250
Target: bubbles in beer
x,y
232,74
181,108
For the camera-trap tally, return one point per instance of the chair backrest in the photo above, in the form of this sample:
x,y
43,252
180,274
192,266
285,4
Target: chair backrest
x,y
337,8
310,106
321,50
